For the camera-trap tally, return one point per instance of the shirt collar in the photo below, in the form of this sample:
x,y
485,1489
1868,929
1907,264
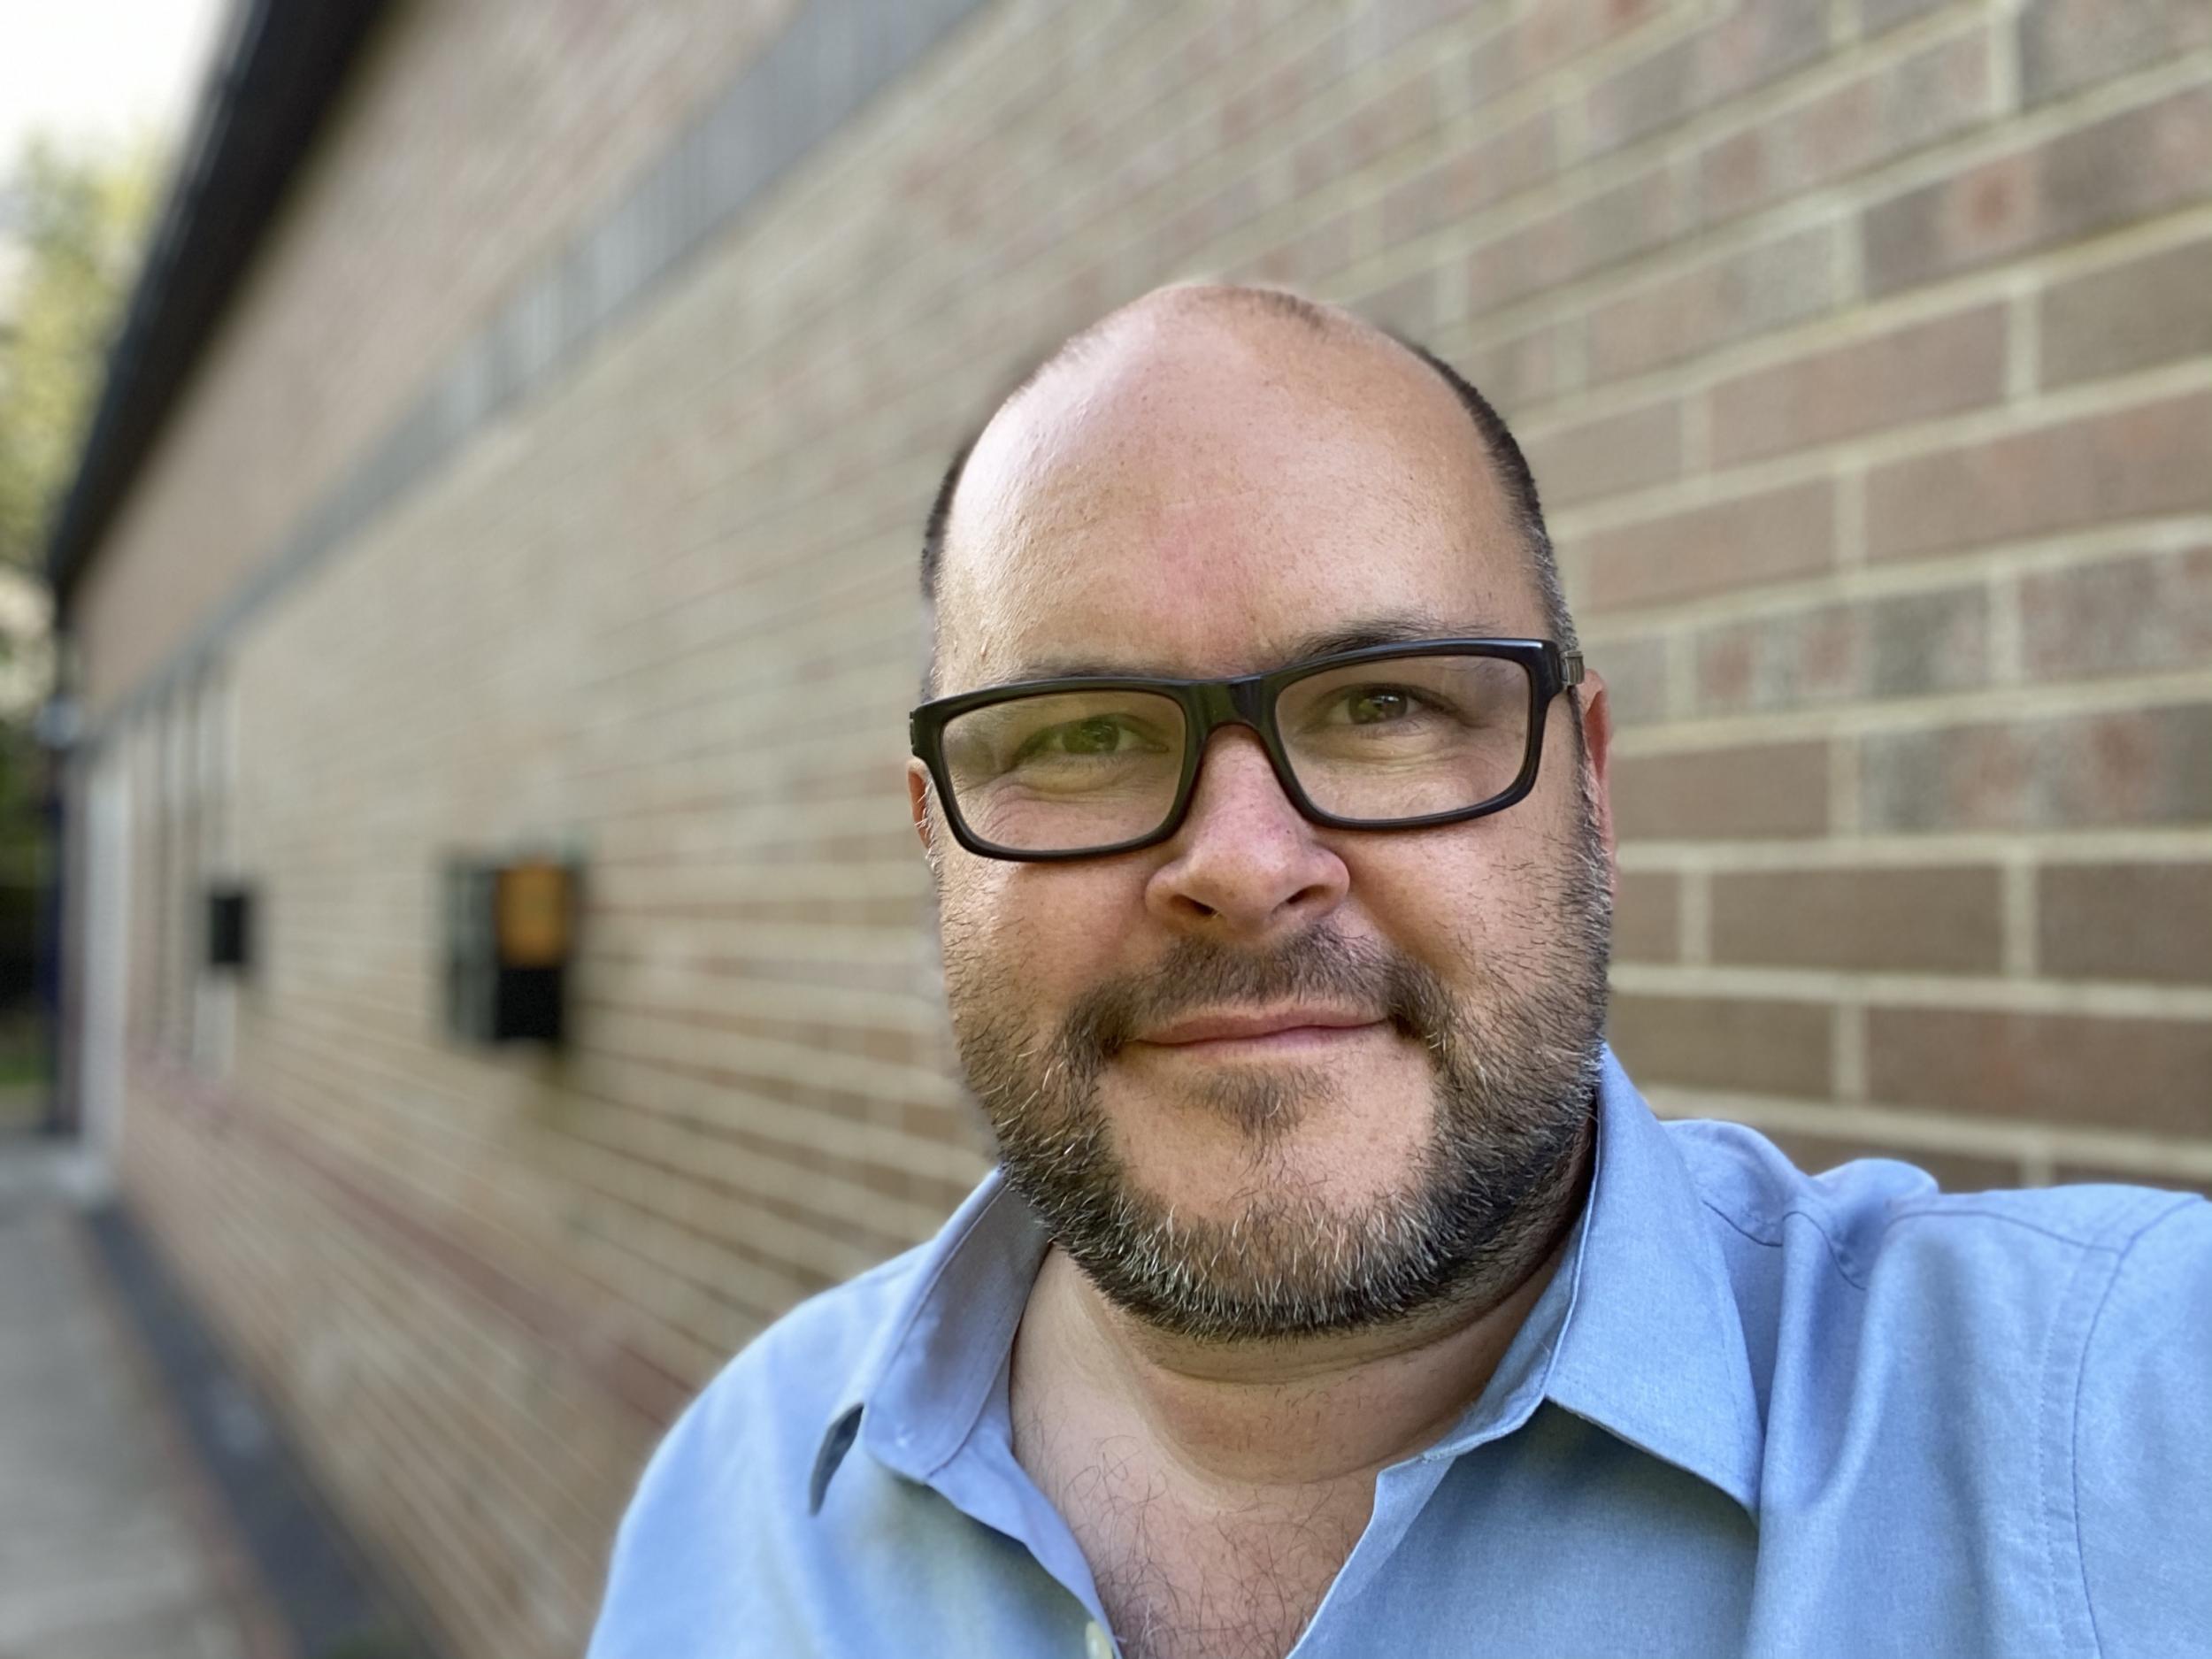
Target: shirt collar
x,y
1652,1347
1649,1345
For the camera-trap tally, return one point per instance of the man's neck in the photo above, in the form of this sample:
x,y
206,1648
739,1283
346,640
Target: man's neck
x,y
1236,1418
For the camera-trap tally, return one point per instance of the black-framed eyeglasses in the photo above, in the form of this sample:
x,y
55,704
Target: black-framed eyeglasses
x,y
1396,736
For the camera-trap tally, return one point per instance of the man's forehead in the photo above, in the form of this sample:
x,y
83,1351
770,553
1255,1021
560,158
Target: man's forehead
x,y
1208,499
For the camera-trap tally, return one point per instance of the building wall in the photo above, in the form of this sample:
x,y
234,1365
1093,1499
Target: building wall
x,y
1862,350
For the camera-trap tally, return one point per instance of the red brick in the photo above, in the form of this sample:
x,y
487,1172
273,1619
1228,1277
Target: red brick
x,y
2080,1069
2141,921
2149,311
1910,645
1467,180
1940,920
1750,47
2130,616
1720,546
1751,291
1757,1048
1953,1172
1759,792
2140,766
2126,168
1936,367
1887,113
1647,917
2067,44
1607,454
2147,458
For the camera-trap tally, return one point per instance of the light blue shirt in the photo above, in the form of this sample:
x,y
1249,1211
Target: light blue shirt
x,y
1754,1412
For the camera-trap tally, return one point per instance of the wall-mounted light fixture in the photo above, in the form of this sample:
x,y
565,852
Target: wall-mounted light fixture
x,y
230,927
510,931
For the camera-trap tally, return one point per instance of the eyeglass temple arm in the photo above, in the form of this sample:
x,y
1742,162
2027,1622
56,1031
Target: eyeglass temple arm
x,y
1571,668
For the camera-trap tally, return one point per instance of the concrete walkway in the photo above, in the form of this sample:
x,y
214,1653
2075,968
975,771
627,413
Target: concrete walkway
x,y
111,1546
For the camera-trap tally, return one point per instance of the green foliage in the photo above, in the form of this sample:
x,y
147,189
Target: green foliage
x,y
79,219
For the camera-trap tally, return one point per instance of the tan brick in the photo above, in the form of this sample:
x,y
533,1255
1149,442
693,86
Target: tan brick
x,y
1910,645
1465,181
1406,306
1936,367
1888,112
2099,1072
2140,766
1937,920
1876,16
1635,674
1953,1172
2125,167
1704,1042
1647,917
1549,35
1636,216
1733,297
1768,790
1722,546
1517,372
2144,921
1745,49
1607,455
2147,458
2068,44
2130,615
2133,316
1388,118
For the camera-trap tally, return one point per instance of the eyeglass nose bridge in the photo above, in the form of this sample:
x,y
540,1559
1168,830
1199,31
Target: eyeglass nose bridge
x,y
1242,701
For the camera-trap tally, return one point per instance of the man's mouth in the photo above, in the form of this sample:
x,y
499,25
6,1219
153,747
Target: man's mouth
x,y
1292,1030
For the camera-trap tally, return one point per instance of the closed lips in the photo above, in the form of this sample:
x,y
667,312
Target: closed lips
x,y
1234,1027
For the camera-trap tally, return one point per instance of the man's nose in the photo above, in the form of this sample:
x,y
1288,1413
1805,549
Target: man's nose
x,y
1245,862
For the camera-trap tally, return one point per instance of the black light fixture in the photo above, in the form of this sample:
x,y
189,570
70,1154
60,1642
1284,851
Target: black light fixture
x,y
509,933
230,926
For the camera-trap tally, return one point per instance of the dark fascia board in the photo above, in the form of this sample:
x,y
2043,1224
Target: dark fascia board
x,y
276,78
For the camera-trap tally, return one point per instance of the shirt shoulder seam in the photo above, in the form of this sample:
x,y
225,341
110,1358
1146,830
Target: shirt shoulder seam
x,y
2121,1251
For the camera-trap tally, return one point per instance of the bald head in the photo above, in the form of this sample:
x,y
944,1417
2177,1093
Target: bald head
x,y
1200,371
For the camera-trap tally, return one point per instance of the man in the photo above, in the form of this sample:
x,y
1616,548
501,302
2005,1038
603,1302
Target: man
x,y
1337,1292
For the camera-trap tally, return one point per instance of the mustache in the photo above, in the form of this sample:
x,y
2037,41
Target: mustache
x,y
1198,976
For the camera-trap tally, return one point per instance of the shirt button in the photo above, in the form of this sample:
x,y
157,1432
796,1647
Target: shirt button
x,y
1096,1643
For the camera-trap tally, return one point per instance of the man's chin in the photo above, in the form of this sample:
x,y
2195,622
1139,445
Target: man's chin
x,y
1345,1133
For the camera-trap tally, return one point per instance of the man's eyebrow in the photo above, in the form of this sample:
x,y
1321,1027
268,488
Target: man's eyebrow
x,y
1396,628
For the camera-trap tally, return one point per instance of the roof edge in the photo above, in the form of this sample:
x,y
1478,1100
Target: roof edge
x,y
265,100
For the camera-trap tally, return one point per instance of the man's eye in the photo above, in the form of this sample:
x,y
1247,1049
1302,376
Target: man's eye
x,y
1377,705
1097,736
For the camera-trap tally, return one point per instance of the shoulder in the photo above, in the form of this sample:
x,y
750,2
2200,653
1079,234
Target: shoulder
x,y
781,1388
1876,1217
2141,1433
723,1495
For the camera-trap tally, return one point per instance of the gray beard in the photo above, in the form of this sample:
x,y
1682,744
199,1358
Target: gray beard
x,y
1515,1071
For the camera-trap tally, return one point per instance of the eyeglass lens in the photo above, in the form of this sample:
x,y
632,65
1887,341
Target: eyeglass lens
x,y
1390,738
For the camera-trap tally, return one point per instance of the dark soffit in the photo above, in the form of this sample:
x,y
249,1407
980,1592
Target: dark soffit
x,y
277,76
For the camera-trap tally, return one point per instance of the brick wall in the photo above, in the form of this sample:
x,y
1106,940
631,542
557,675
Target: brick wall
x,y
1861,348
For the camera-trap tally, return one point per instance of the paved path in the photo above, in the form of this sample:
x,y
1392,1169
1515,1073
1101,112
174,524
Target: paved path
x,y
110,1545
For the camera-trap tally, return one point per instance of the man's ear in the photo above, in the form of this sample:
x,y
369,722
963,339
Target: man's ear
x,y
1597,752
917,798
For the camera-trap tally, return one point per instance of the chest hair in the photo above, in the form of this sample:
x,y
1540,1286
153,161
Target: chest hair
x,y
1191,1576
